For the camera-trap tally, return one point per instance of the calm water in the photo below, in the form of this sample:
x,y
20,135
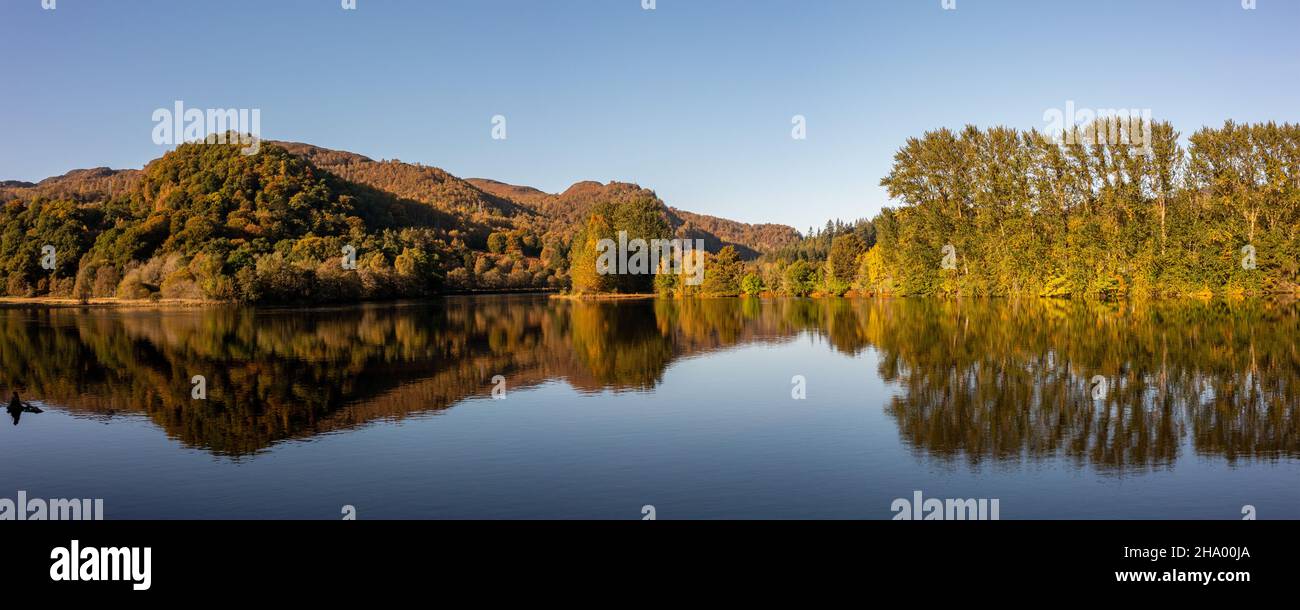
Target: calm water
x,y
683,405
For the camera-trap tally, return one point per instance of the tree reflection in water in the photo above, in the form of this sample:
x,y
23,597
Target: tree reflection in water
x,y
975,380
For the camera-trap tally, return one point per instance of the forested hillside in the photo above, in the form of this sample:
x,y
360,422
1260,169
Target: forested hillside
x,y
206,222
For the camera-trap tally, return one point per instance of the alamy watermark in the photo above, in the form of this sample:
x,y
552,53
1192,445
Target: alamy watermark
x,y
949,509
499,127
799,127
636,256
53,509
1104,126
179,124
1249,260
73,563
949,260
498,387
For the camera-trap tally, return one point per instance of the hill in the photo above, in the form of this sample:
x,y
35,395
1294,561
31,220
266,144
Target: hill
x,y
302,223
569,209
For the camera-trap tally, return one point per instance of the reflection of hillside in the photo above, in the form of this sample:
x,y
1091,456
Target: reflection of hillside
x,y
276,374
1001,380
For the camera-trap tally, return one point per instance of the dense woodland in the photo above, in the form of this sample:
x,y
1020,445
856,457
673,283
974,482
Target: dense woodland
x,y
981,213
1026,215
1001,212
207,222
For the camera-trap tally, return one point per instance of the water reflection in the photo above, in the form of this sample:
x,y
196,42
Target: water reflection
x,y
975,380
17,407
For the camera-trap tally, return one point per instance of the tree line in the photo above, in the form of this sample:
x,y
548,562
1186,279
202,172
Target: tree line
x,y
992,212
1024,214
980,212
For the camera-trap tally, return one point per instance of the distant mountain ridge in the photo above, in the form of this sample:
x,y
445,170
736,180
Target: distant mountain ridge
x,y
90,182
574,203
557,215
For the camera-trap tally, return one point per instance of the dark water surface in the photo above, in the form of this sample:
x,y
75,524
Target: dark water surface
x,y
683,405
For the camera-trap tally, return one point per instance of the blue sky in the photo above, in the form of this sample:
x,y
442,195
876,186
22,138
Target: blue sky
x,y
693,99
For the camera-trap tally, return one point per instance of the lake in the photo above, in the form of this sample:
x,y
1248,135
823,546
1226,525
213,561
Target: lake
x,y
1057,409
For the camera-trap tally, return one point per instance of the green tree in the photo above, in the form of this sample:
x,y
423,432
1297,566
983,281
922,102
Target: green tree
x,y
611,226
842,263
800,279
722,273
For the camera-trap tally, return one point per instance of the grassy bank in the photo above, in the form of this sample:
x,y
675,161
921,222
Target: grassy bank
x,y
102,302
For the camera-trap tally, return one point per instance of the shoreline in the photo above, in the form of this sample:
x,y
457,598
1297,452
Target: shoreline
x,y
606,297
102,302
116,303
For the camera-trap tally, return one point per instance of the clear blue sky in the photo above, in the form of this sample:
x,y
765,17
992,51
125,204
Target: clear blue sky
x,y
693,99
